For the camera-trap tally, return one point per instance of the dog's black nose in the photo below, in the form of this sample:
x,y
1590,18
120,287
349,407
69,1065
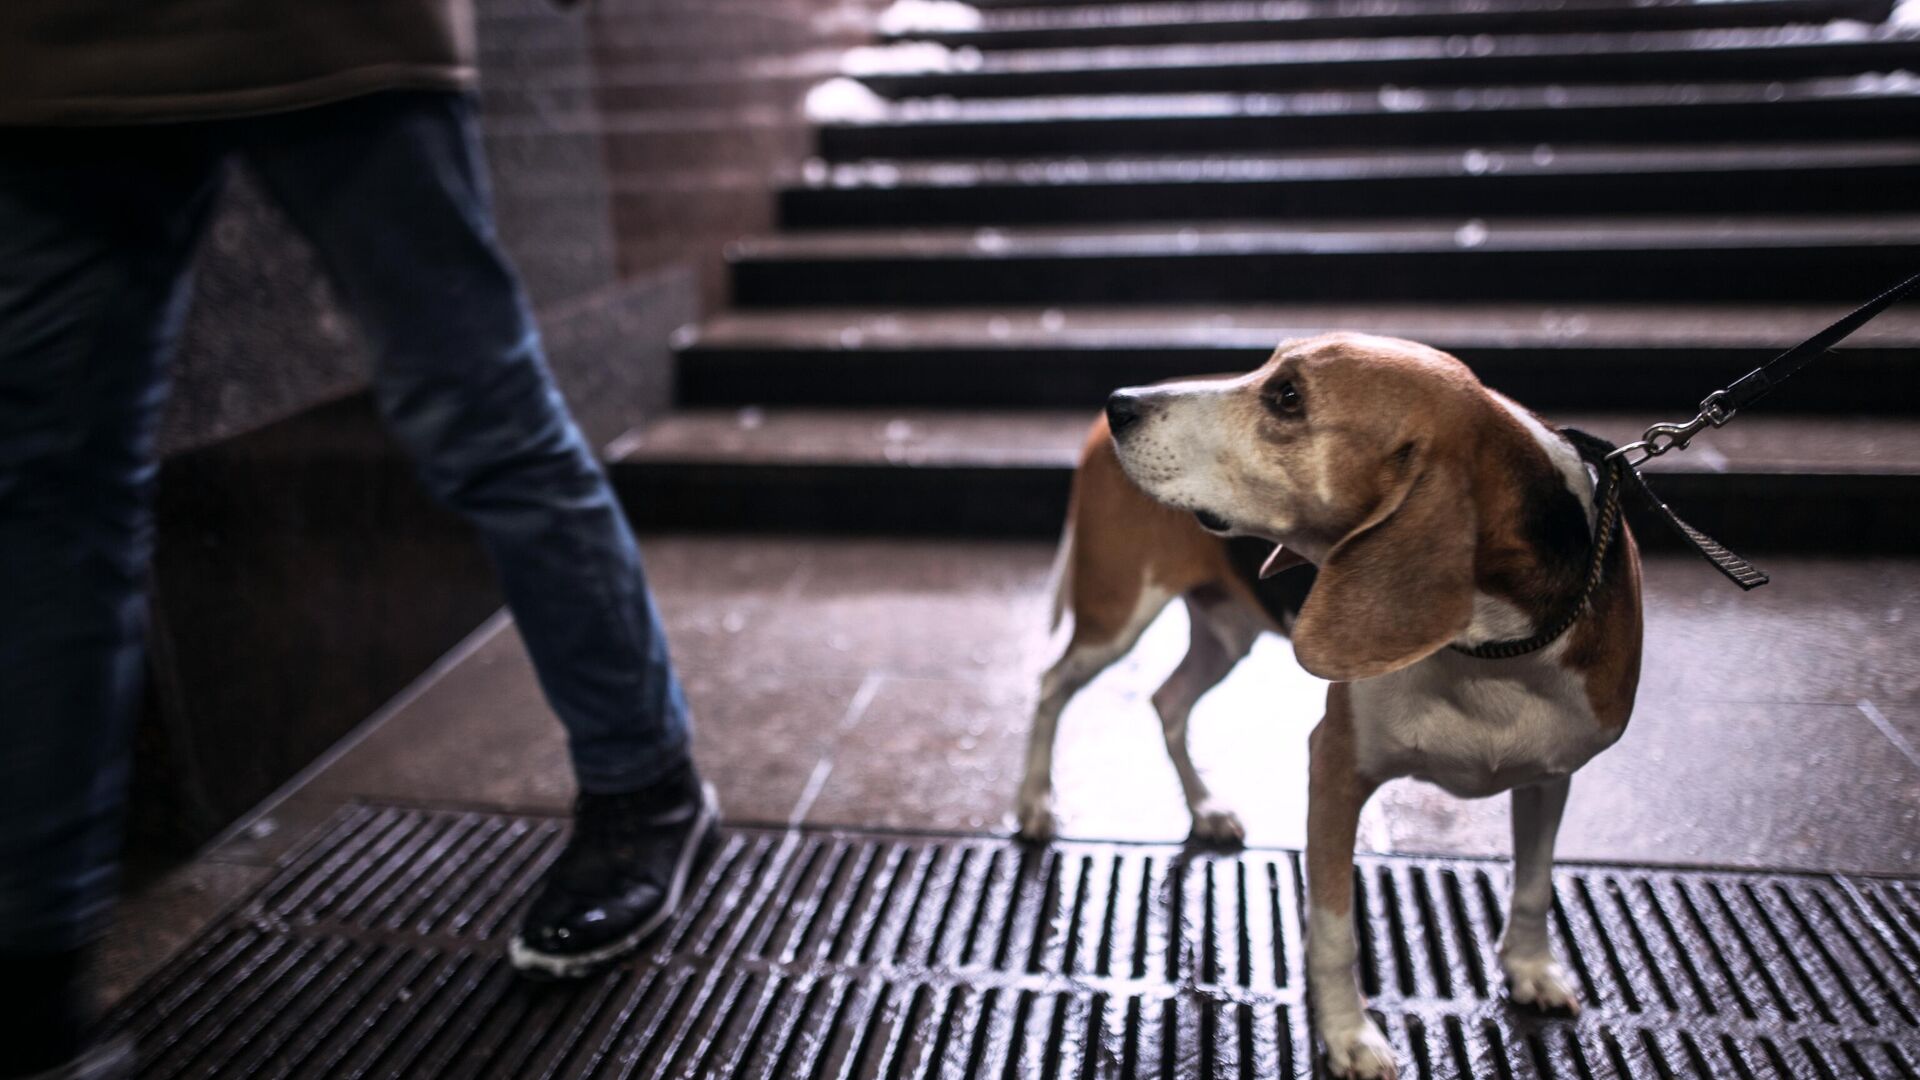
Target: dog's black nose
x,y
1123,410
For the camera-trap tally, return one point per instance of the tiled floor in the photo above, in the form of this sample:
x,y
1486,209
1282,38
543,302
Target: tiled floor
x,y
887,683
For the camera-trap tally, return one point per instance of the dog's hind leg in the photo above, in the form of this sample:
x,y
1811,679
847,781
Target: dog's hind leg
x,y
1218,642
1095,646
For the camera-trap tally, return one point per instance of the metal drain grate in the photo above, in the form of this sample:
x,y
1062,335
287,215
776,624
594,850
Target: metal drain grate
x,y
376,951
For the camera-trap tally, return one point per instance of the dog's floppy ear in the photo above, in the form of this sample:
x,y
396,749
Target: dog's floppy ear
x,y
1399,587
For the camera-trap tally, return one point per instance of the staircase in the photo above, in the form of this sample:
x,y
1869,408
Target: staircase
x,y
1607,207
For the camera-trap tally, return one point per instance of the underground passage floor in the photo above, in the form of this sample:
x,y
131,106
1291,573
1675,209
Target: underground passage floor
x,y
1739,894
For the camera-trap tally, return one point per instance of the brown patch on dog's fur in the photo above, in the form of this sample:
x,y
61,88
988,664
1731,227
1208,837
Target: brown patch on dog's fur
x,y
1534,537
1605,645
1534,550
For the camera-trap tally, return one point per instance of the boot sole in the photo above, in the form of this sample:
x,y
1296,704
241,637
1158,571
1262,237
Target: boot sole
x,y
535,964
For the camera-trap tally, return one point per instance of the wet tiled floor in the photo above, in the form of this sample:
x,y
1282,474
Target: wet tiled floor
x,y
887,683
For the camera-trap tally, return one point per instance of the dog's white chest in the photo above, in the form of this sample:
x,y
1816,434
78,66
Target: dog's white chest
x,y
1476,727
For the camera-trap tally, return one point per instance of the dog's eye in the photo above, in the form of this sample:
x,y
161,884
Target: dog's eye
x,y
1284,399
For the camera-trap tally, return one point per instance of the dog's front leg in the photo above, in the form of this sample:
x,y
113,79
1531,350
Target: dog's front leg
x,y
1336,793
1534,977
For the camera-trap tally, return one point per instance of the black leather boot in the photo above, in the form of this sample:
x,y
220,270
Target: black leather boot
x,y
620,878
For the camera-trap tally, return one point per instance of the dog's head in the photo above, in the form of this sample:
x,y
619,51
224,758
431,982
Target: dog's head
x,y
1351,451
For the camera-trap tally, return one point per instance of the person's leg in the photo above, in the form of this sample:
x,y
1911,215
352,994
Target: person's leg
x,y
393,194
96,235
392,191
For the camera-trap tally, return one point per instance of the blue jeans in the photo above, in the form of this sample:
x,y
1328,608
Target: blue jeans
x,y
97,230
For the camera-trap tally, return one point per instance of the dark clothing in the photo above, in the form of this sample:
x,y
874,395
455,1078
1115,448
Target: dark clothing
x,y
97,231
134,61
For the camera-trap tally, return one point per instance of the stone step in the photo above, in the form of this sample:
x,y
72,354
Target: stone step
x,y
1859,107
742,22
1795,52
1781,178
1657,359
633,146
1073,22
1763,482
1610,259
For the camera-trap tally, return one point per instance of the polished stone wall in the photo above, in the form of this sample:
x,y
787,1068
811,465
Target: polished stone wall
x,y
266,338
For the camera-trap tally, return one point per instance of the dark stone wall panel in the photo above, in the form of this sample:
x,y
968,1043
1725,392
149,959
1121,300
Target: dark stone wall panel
x,y
302,578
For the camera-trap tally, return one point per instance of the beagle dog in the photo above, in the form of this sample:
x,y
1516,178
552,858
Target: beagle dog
x,y
1437,515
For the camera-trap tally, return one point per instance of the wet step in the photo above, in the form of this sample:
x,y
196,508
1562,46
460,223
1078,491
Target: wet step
x,y
1650,259
1658,358
1869,106
1075,23
1782,178
1767,481
898,471
1690,55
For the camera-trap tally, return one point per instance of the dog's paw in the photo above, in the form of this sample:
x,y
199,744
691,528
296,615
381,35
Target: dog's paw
x,y
1035,816
1541,983
1360,1052
1214,822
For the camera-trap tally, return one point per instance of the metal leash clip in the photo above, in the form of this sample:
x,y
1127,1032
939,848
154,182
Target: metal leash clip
x,y
1715,411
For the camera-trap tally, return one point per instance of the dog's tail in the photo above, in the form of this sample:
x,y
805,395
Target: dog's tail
x,y
1060,578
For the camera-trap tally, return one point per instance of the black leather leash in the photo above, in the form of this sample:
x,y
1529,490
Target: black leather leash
x,y
1617,473
1722,405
